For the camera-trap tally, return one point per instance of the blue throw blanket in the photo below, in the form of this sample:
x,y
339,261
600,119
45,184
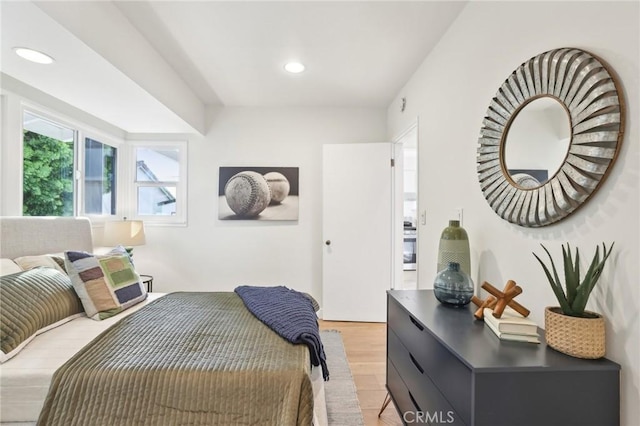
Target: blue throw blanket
x,y
290,314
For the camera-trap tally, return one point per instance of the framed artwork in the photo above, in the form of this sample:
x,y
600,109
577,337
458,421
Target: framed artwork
x,y
258,193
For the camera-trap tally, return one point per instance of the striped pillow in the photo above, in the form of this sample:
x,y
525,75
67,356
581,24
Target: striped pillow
x,y
107,284
32,302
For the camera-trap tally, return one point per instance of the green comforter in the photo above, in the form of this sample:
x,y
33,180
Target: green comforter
x,y
185,359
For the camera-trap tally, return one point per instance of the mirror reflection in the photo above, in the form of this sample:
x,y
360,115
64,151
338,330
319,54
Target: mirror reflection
x,y
537,142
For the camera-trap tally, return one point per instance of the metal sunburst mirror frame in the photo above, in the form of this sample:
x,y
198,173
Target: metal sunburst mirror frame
x,y
593,100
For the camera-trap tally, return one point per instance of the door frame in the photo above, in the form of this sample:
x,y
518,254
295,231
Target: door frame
x,y
398,205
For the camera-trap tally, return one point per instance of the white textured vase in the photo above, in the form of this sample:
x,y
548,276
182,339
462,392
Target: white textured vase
x,y
454,247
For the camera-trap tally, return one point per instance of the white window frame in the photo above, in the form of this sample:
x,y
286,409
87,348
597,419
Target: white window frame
x,y
104,139
180,218
82,131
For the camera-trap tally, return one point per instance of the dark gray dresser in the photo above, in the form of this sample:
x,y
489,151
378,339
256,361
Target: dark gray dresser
x,y
443,367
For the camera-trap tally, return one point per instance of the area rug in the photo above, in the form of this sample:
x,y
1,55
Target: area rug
x,y
343,408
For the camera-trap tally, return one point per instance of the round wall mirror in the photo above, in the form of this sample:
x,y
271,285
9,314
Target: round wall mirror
x,y
537,142
550,137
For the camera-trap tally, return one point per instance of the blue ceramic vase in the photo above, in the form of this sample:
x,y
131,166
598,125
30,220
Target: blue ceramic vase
x,y
452,286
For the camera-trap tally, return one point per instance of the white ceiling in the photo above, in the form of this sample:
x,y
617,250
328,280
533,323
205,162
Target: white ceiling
x,y
157,66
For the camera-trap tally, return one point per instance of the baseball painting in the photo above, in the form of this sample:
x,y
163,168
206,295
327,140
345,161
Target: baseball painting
x,y
258,193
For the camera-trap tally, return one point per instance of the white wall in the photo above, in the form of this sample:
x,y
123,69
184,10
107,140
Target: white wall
x,y
450,93
214,255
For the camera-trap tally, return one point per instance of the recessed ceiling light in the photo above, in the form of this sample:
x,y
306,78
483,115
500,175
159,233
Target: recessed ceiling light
x,y
33,55
294,67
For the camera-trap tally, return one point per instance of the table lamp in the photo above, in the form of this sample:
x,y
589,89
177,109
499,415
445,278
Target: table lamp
x,y
127,233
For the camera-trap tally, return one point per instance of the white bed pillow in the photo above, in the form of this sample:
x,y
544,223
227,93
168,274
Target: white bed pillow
x,y
8,266
30,262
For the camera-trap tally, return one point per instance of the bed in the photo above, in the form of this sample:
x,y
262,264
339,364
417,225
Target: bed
x,y
179,368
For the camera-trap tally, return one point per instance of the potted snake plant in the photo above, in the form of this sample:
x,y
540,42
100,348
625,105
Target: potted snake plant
x,y
570,328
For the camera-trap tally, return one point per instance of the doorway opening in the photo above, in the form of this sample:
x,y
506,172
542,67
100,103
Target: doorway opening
x,y
407,208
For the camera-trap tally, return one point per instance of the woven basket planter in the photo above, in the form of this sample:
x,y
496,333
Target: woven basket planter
x,y
578,337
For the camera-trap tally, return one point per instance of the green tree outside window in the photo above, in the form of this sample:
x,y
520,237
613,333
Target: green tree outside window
x,y
47,176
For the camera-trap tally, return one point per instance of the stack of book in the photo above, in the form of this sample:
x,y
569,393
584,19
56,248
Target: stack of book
x,y
512,326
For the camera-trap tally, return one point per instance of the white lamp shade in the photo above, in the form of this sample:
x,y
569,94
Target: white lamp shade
x,y
125,232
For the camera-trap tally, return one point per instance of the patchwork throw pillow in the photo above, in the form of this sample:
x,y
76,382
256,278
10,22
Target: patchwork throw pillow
x,y
32,302
106,284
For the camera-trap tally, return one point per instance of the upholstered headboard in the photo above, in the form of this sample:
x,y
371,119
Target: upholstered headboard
x,y
27,236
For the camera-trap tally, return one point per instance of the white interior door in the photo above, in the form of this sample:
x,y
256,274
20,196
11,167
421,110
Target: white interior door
x,y
357,219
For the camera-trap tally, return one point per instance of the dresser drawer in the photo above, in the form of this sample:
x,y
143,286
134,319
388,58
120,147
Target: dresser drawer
x,y
424,395
398,391
488,382
403,400
449,375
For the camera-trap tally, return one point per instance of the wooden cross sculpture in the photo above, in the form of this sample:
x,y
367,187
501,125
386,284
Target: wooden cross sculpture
x,y
498,300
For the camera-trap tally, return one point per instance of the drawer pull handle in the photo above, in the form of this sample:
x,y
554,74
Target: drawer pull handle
x,y
416,323
414,402
420,369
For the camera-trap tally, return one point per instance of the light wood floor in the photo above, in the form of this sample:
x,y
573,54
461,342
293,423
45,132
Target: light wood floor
x,y
366,348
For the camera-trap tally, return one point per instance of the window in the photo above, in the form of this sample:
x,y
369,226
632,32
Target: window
x,y
99,178
47,172
160,181
62,177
